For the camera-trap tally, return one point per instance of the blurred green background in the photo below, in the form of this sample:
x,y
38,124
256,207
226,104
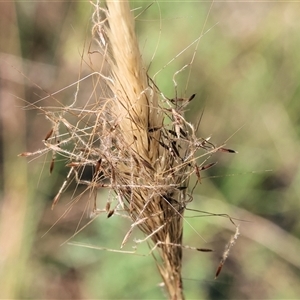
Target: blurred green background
x,y
246,74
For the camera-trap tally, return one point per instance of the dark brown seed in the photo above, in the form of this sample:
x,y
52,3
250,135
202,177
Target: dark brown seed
x,y
51,165
204,250
208,166
227,150
173,143
172,132
170,200
219,269
110,213
198,173
192,97
183,133
180,188
98,165
48,135
164,145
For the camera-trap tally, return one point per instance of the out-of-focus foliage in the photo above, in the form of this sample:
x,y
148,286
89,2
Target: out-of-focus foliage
x,y
246,76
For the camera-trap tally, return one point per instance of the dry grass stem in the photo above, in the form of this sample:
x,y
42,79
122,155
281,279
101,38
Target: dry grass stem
x,y
138,142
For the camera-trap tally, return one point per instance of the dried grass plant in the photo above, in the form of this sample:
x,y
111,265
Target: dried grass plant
x,y
138,142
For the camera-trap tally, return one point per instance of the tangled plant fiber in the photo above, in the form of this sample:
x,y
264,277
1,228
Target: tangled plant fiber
x,y
138,142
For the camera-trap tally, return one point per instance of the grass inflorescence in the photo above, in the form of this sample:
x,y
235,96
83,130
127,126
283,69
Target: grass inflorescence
x,y
138,143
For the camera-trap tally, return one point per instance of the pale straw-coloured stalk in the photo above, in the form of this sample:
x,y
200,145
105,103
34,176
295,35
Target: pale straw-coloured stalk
x,y
137,141
148,153
140,159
